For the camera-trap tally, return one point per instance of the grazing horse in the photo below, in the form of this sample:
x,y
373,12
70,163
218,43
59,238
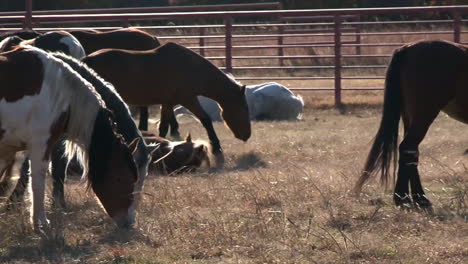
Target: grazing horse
x,y
171,75
178,156
52,102
423,78
50,41
126,38
267,101
125,126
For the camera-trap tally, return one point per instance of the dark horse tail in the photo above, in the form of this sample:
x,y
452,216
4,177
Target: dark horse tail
x,y
384,149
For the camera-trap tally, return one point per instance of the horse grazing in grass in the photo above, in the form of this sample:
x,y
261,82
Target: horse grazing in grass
x,y
50,41
171,75
267,101
125,126
178,156
44,100
126,38
423,78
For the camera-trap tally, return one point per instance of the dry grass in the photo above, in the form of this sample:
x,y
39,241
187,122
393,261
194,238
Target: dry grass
x,y
283,197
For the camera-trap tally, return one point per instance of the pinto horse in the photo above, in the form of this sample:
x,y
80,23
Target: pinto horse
x,y
178,156
125,126
171,75
23,34
50,41
51,102
423,78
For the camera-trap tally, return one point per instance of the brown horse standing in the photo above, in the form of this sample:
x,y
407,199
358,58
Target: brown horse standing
x,y
126,38
171,75
422,79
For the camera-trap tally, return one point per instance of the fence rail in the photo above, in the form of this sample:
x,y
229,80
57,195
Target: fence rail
x,y
332,49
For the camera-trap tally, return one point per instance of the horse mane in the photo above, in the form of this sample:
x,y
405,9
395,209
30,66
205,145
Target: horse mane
x,y
120,111
69,91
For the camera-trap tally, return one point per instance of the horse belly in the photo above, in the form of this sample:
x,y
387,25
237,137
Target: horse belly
x,y
456,111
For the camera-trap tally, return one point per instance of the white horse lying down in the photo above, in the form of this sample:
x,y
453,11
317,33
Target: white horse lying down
x,y
267,101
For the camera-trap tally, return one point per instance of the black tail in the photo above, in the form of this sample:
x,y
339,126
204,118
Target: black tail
x,y
384,149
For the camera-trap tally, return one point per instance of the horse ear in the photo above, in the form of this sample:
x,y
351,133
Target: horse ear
x,y
188,139
152,148
134,145
243,87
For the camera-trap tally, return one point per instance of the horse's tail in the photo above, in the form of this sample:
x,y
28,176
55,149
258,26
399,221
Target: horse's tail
x,y
384,149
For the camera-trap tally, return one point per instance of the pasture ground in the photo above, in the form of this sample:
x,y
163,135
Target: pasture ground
x,y
283,197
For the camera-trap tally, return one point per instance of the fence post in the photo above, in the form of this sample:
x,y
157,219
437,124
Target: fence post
x,y
28,15
280,44
456,26
201,41
337,60
228,46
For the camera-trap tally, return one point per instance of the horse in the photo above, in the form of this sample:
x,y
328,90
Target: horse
x,y
422,79
50,41
125,38
267,101
174,157
39,108
125,126
171,75
23,34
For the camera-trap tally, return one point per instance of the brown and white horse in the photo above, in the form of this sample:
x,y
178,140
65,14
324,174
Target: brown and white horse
x,y
44,100
178,156
125,126
51,41
171,75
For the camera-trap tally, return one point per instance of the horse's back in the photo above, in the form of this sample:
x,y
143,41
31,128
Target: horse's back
x,y
129,39
435,75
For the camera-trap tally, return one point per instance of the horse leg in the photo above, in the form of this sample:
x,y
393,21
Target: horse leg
x,y
204,118
408,163
17,196
59,170
174,127
166,112
6,172
143,124
39,165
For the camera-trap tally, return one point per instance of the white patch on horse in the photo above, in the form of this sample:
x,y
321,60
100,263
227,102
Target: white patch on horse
x,y
74,46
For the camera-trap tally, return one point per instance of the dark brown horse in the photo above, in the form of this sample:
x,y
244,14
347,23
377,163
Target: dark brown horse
x,y
423,78
171,75
126,38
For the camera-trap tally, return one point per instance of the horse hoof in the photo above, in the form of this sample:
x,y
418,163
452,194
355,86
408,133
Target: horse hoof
x,y
422,202
403,202
219,159
41,227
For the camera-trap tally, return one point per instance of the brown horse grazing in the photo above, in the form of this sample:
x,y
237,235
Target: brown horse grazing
x,y
126,38
423,78
171,75
178,156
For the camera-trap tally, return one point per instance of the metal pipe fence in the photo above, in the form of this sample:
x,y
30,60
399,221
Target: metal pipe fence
x,y
309,50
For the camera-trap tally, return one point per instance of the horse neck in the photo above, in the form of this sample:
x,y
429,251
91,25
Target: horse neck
x,y
220,89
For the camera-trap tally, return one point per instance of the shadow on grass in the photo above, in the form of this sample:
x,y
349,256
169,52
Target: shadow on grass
x,y
247,161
